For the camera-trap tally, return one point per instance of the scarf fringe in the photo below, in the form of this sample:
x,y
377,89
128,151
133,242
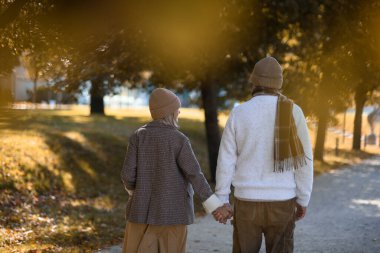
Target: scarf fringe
x,y
291,163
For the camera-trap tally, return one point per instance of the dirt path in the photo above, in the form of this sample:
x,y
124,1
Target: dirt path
x,y
343,216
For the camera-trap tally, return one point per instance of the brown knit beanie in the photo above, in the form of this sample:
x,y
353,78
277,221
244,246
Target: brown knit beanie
x,y
163,102
267,73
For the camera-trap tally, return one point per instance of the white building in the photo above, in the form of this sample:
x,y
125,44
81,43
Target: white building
x,y
19,83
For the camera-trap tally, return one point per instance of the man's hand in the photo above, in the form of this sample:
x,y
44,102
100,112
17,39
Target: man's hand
x,y
223,213
300,212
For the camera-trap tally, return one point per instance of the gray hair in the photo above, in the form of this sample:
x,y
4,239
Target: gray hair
x,y
170,120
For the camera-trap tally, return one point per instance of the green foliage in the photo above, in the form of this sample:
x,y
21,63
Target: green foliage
x,y
89,40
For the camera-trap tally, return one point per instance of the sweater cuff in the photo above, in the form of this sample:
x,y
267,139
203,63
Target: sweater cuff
x,y
224,198
212,203
302,202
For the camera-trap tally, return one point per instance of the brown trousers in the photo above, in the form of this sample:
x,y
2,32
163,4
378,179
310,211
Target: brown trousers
x,y
276,220
145,238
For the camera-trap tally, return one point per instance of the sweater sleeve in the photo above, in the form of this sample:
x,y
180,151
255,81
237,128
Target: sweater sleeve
x,y
226,161
128,172
304,175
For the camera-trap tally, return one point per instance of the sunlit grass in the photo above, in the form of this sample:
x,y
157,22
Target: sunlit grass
x,y
60,189
60,176
345,155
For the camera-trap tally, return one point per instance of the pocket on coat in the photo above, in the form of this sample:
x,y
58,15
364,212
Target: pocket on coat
x,y
190,191
188,199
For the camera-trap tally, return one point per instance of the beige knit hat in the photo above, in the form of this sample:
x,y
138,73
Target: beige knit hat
x,y
163,102
267,73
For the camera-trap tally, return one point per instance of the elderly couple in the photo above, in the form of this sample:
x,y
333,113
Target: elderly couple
x,y
265,153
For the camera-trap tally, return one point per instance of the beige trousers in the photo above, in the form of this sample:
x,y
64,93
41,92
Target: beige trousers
x,y
145,238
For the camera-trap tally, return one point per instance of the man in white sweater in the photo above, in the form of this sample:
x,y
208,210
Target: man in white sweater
x,y
271,169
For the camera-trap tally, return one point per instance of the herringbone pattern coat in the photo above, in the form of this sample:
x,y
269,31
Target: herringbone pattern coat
x,y
161,168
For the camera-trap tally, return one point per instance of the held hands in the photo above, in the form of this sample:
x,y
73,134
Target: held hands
x,y
223,213
300,212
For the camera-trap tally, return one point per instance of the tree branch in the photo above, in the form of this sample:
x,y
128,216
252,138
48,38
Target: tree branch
x,y
11,13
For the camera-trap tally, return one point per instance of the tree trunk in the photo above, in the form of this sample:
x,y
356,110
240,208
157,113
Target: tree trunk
x,y
360,98
209,91
34,98
319,148
97,94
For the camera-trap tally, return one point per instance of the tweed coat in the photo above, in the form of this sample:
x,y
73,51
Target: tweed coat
x,y
162,170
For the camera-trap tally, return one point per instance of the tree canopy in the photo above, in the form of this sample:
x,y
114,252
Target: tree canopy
x,y
328,49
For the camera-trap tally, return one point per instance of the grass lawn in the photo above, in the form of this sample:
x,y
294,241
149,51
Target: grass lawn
x,y
60,187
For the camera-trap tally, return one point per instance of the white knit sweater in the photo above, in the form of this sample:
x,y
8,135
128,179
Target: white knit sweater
x,y
246,156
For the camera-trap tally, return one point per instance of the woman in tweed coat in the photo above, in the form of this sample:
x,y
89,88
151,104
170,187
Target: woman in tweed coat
x,y
160,172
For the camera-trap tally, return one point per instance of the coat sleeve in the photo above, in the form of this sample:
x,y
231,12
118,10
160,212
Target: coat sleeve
x,y
227,159
304,175
190,167
128,172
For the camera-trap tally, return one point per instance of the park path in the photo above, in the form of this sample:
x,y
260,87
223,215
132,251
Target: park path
x,y
343,216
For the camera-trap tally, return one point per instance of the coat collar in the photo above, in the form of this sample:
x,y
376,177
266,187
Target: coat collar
x,y
158,124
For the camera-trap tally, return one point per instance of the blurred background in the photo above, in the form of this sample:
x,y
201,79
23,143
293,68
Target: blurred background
x,y
75,79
